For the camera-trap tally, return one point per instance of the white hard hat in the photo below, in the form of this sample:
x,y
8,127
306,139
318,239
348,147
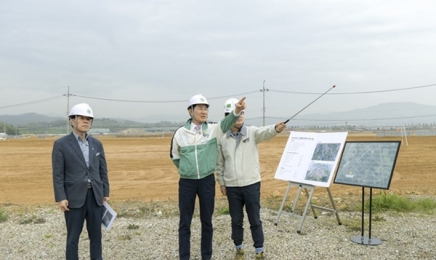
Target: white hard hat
x,y
82,109
230,105
197,99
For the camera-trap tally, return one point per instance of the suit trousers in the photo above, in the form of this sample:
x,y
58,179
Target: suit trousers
x,y
188,191
250,197
74,219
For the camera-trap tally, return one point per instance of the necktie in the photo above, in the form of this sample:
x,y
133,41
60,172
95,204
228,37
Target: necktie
x,y
197,128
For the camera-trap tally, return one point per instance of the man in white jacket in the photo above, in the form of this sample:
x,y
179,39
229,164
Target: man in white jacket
x,y
238,174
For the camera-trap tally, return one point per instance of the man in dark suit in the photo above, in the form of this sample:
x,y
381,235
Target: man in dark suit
x,y
80,181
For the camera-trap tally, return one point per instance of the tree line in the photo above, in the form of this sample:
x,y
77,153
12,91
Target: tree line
x,y
60,126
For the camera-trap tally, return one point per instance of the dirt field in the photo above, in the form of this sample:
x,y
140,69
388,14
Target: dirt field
x,y
140,169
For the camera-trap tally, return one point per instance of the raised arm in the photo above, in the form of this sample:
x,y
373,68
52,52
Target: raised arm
x,y
240,106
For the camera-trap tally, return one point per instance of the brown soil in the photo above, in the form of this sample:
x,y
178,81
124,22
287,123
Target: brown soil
x,y
140,169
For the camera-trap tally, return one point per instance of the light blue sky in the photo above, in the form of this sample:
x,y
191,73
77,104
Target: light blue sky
x,y
170,50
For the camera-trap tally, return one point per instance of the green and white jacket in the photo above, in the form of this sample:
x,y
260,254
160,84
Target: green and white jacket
x,y
195,154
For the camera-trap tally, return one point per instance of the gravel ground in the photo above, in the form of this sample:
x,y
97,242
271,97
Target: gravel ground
x,y
39,233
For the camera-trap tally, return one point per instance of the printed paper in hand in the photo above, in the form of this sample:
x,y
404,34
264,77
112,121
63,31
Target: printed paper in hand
x,y
109,216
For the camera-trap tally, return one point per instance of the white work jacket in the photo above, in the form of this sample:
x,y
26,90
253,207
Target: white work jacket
x,y
238,158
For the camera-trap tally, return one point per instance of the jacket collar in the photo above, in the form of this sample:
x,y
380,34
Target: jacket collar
x,y
189,121
243,131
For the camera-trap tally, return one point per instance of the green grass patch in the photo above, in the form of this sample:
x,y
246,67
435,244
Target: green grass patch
x,y
125,237
32,220
140,209
132,226
354,225
3,216
391,202
223,211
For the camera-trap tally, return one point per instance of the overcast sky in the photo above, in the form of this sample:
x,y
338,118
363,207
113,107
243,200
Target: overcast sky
x,y
123,56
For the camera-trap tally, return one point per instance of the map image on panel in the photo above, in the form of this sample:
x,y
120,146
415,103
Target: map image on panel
x,y
318,172
368,164
326,152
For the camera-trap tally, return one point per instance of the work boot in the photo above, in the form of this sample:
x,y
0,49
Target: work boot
x,y
260,255
239,255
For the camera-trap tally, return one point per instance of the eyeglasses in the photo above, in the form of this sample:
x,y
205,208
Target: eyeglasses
x,y
85,118
205,109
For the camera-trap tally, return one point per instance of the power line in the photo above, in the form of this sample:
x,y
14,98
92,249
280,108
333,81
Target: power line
x,y
118,100
354,93
252,92
343,120
211,98
33,102
161,101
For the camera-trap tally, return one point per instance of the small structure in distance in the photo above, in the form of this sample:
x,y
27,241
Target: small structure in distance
x,y
3,136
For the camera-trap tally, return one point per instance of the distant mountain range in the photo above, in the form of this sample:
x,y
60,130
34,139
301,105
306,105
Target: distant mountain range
x,y
27,118
385,114
398,113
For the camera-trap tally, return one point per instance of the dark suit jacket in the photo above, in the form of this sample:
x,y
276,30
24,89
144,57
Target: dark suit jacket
x,y
70,173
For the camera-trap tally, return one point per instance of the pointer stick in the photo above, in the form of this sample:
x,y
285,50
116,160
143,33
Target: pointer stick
x,y
310,104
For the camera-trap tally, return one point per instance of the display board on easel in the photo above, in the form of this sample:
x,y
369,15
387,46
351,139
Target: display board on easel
x,y
309,160
367,164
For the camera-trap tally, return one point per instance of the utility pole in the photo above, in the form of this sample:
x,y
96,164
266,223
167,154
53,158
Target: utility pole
x,y
264,109
68,108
